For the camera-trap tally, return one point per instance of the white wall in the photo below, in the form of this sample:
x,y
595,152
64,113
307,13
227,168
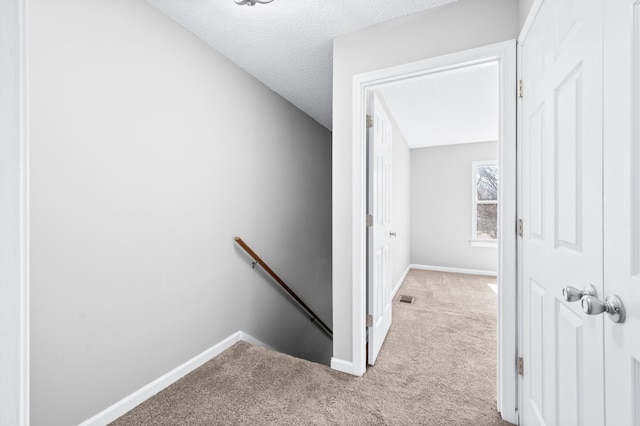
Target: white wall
x,y
462,25
149,153
441,207
400,200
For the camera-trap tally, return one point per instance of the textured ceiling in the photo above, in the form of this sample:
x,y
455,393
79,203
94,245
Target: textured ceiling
x,y
451,107
287,44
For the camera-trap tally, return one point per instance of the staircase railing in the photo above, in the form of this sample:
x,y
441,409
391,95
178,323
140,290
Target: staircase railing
x,y
258,261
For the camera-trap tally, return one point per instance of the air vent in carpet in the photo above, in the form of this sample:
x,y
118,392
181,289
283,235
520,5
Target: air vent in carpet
x,y
406,299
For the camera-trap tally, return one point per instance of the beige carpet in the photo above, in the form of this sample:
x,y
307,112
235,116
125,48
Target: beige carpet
x,y
437,367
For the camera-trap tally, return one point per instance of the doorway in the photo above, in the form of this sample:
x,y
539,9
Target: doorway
x,y
504,55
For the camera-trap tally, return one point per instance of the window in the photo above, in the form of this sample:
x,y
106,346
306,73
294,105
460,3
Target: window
x,y
485,203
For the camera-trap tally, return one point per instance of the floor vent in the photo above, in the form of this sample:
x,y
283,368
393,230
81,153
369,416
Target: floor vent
x,y
406,299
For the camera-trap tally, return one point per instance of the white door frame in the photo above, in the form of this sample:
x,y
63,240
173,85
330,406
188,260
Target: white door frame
x,y
14,220
505,54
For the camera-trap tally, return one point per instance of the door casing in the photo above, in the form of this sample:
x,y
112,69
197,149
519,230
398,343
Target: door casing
x,y
14,215
504,54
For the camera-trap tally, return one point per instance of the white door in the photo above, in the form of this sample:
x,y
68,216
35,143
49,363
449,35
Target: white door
x,y
622,208
562,245
378,242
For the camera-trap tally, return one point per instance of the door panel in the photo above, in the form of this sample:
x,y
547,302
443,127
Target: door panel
x,y
622,207
379,241
562,213
569,20
536,184
537,345
569,344
568,145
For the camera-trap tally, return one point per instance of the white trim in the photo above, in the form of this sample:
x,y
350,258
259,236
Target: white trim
x,y
343,366
484,243
359,229
400,281
14,215
454,270
533,12
128,403
505,54
252,340
635,137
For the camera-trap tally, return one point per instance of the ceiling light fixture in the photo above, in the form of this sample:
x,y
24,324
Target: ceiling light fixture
x,y
251,2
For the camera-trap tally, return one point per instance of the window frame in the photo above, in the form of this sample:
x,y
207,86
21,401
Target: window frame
x,y
475,241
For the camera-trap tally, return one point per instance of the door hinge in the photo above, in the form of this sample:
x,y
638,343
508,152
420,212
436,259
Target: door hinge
x,y
520,228
369,220
520,366
369,121
369,320
520,91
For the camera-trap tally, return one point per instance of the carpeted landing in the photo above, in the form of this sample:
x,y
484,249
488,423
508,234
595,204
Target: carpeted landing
x,y
437,367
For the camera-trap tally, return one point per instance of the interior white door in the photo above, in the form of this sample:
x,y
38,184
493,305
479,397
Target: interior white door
x,y
622,208
379,241
562,245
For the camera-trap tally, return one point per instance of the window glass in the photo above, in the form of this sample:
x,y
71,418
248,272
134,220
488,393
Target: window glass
x,y
487,220
485,201
487,183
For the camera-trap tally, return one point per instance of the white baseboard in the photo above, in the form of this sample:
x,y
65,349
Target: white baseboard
x,y
255,342
126,404
456,270
400,281
343,366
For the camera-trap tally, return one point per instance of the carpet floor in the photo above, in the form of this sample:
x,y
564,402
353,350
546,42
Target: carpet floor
x,y
436,367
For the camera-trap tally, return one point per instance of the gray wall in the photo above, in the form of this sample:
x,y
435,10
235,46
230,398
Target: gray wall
x,y
149,153
441,193
400,201
461,25
524,8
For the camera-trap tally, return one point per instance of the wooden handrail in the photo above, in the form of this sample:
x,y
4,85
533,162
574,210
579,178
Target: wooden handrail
x,y
276,278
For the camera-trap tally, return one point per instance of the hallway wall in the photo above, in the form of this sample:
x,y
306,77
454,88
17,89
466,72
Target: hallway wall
x,y
441,207
149,153
524,8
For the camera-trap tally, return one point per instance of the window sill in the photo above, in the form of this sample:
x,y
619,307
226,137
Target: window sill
x,y
483,243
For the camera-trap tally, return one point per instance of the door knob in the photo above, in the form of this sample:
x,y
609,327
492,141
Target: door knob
x,y
392,234
612,305
572,294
